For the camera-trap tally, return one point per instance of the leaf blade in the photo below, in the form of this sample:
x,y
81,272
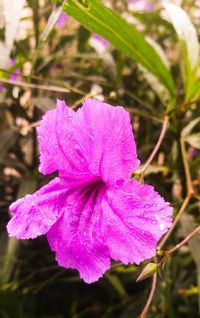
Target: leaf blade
x,y
125,37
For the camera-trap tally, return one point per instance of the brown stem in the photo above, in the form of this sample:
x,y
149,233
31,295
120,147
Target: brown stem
x,y
31,85
116,265
173,249
151,294
157,146
190,188
165,238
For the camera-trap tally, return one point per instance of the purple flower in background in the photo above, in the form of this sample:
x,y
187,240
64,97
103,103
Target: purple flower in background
x,y
13,76
102,40
62,20
148,6
91,212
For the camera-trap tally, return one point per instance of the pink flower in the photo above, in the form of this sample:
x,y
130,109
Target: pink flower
x,y
62,20
102,40
91,212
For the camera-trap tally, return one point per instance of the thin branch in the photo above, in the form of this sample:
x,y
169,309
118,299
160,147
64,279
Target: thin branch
x,y
31,85
173,249
157,146
117,265
185,104
165,238
149,300
190,188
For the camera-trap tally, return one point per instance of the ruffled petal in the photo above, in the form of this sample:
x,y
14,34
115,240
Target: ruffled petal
x,y
52,157
76,236
35,214
134,219
106,140
97,140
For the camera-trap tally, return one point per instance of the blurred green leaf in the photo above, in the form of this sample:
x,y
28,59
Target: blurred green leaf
x,y
160,90
188,38
7,139
125,37
194,140
49,27
195,89
187,129
28,185
188,225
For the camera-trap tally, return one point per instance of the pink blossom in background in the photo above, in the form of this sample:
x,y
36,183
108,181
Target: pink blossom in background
x,y
62,20
140,5
148,6
92,212
13,76
102,40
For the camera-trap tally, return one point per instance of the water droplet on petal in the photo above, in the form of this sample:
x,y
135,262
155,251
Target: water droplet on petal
x,y
28,196
76,146
162,227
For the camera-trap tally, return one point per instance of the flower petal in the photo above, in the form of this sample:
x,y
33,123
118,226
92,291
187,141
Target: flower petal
x,y
105,139
97,140
51,156
134,218
36,213
58,146
76,236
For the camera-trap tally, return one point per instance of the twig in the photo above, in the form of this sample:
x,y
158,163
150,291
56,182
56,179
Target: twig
x,y
157,146
149,300
184,104
185,203
173,249
31,85
117,265
190,187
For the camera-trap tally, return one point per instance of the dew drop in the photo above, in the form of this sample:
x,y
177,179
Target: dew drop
x,y
162,227
76,146
84,233
28,196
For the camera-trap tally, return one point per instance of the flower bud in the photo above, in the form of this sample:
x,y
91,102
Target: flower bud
x,y
148,271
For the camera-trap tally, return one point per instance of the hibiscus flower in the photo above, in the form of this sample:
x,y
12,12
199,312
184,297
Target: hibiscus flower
x,y
92,211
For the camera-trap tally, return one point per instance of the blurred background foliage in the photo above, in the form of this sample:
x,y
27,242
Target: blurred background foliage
x,y
150,65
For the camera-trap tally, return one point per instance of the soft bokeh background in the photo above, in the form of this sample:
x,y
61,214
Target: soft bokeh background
x,y
75,64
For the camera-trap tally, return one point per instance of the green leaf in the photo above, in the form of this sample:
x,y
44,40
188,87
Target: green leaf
x,y
49,27
194,140
124,36
188,38
195,89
